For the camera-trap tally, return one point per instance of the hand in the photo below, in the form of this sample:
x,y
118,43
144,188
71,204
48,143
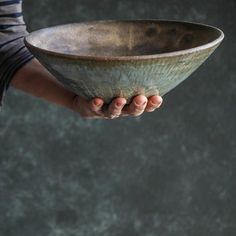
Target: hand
x,y
34,79
95,109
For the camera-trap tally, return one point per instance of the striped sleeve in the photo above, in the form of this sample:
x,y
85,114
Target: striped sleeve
x,y
13,53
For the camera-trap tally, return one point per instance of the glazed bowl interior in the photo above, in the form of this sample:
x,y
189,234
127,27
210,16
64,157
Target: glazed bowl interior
x,y
123,38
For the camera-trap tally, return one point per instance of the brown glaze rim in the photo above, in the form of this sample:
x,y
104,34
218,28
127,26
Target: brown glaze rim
x,y
129,58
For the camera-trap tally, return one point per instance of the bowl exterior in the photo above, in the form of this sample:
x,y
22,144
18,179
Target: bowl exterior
x,y
110,78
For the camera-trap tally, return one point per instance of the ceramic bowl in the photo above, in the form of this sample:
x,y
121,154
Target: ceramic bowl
x,y
110,59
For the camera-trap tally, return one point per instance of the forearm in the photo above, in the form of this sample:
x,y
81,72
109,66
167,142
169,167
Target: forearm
x,y
34,79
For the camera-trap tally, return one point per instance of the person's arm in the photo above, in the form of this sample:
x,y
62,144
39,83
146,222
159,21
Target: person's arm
x,y
34,79
13,53
20,69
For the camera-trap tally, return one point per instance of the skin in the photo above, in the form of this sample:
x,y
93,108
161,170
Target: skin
x,y
34,79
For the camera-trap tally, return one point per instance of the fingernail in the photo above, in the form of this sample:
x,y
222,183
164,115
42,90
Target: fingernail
x,y
97,103
140,103
154,103
152,110
119,104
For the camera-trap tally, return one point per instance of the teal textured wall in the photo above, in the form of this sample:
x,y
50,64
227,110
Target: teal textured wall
x,y
168,173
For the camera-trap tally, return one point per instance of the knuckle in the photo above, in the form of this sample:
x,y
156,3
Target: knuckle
x,y
138,110
152,105
150,109
112,117
93,109
115,112
137,113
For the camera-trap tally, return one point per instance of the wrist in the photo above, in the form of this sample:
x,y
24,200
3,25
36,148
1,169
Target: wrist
x,y
34,79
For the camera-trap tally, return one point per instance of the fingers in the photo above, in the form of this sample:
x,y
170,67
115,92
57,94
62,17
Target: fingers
x,y
87,109
96,109
137,107
115,108
95,105
154,102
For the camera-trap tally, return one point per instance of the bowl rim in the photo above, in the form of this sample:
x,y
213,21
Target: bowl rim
x,y
211,44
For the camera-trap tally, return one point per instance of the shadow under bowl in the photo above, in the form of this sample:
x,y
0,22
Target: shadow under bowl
x,y
110,59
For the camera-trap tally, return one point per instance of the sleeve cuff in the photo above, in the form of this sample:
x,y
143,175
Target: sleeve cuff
x,y
13,56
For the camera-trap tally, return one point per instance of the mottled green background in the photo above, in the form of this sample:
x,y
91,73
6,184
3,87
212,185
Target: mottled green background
x,y
168,173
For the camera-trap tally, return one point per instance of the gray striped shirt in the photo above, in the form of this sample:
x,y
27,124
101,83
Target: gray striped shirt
x,y
13,53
